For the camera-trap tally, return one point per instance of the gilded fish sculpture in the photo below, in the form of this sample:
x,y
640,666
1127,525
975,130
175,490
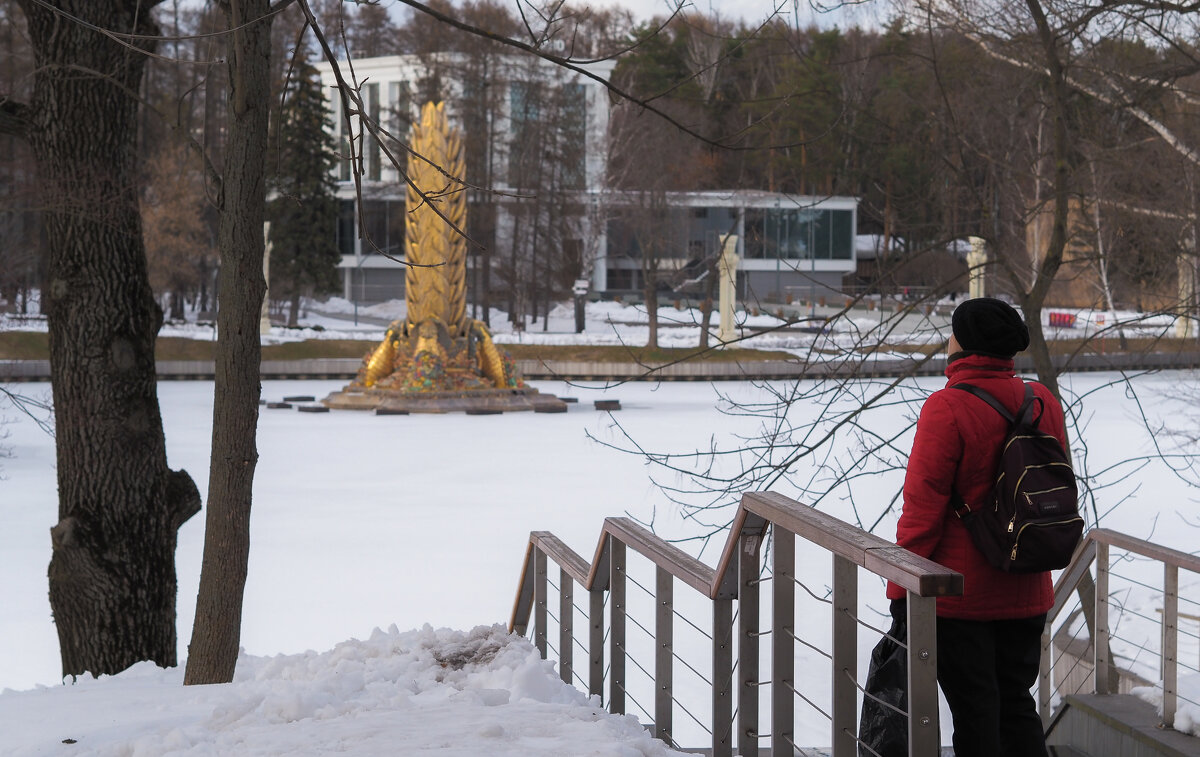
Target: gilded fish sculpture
x,y
437,358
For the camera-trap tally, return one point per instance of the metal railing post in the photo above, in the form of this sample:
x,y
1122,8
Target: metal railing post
x,y
783,656
1170,644
596,643
923,737
663,659
1045,685
539,601
1100,659
566,625
747,642
844,713
722,673
616,633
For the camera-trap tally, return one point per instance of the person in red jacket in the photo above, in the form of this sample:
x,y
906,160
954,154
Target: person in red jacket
x,y
988,639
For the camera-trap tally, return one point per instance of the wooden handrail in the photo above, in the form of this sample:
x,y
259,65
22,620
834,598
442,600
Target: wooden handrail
x,y
665,555
918,575
1146,549
567,558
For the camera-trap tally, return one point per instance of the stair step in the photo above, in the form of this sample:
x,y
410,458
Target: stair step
x,y
1116,725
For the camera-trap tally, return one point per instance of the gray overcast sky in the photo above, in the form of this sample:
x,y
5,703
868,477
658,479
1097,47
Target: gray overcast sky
x,y
749,10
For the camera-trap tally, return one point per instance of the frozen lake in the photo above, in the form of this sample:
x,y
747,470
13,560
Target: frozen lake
x,y
364,521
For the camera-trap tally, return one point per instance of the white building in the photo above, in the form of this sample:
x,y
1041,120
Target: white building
x,y
788,244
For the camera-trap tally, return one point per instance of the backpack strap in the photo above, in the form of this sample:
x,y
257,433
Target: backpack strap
x,y
1025,412
957,503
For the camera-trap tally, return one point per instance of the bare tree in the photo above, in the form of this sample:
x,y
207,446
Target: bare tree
x,y
112,574
216,633
177,238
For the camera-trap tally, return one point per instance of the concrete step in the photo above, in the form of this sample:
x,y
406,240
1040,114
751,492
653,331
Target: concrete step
x,y
1116,725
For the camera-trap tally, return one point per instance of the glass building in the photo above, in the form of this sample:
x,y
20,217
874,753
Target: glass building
x,y
787,244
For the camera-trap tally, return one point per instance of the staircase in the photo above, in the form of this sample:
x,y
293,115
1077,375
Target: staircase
x,y
1115,725
1099,637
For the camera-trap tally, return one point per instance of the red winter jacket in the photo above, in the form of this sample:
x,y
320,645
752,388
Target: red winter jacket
x,y
958,443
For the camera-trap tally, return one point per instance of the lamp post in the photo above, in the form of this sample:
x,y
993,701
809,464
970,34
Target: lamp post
x,y
580,290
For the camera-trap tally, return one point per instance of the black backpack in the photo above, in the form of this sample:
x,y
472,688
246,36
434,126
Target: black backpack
x,y
1031,521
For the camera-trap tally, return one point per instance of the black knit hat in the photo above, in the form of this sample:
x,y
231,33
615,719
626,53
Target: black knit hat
x,y
987,326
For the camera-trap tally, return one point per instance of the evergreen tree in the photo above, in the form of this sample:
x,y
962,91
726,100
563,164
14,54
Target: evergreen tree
x,y
303,211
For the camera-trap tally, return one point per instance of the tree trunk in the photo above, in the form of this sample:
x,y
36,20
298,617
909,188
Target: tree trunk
x,y
112,571
650,295
216,634
1048,266
293,319
706,308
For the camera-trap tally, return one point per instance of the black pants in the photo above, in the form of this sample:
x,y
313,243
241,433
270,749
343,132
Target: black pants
x,y
985,669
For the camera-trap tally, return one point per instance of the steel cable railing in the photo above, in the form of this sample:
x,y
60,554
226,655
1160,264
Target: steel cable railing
x,y
809,702
810,593
734,680
1063,680
1119,617
637,703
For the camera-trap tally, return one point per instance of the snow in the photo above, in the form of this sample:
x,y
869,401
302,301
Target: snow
x,y
420,522
797,329
483,692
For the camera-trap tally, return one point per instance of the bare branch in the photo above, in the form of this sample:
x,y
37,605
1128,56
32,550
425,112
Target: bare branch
x,y
577,67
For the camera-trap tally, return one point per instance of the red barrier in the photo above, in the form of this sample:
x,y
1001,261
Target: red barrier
x,y
1062,320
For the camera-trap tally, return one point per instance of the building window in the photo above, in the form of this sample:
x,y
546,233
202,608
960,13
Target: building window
x,y
345,227
841,234
371,169
383,227
799,234
344,169
400,109
621,279
573,136
523,152
548,135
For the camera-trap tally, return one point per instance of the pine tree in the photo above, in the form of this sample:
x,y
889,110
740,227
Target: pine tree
x,y
303,211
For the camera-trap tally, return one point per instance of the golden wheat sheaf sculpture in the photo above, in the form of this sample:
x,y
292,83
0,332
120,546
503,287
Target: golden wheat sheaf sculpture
x,y
437,279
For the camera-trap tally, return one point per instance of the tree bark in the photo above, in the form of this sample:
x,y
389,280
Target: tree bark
x,y
650,296
112,570
216,635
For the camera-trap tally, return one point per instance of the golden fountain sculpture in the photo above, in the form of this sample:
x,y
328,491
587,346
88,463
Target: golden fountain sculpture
x,y
437,359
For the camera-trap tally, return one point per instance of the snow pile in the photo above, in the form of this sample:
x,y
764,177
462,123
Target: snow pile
x,y
480,693
1187,712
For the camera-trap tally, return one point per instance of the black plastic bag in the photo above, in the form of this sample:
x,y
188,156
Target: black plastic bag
x,y
880,727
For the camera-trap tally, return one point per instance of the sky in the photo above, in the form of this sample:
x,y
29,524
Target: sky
x,y
751,11
362,537
810,12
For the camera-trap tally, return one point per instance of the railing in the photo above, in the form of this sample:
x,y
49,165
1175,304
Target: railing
x,y
1089,661
737,578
